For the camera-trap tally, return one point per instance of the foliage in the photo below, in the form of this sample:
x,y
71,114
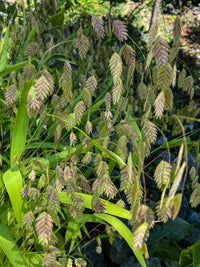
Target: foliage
x,y
67,126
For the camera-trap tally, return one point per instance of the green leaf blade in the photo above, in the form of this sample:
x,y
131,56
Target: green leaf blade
x,y
13,183
125,233
21,126
10,248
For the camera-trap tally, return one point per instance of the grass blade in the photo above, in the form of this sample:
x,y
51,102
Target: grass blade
x,y
13,183
3,60
110,208
12,68
125,233
21,126
9,247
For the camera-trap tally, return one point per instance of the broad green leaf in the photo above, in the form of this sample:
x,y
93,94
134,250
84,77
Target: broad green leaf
x,y
10,248
13,182
21,125
125,233
12,68
196,254
110,208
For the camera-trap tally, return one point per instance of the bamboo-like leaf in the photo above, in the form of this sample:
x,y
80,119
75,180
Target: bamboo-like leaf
x,y
110,208
21,126
13,183
10,248
125,233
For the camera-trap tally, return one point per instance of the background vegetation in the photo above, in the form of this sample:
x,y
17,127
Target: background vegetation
x,y
99,122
